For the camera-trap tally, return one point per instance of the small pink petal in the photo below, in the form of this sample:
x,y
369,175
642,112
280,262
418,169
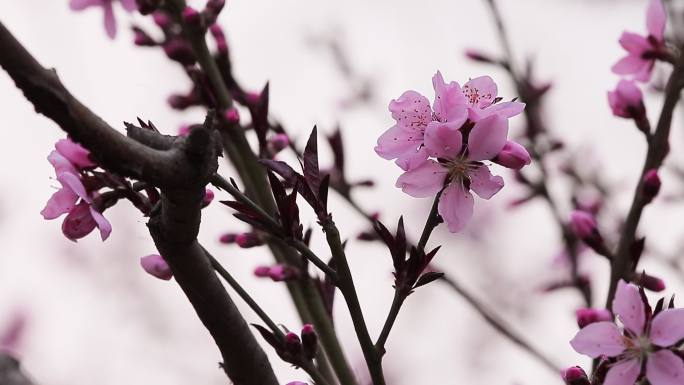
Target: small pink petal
x,y
623,373
483,183
423,181
667,328
412,160
443,141
456,207
60,163
109,19
79,222
597,339
655,19
450,103
398,141
631,65
487,138
78,5
102,224
73,182
629,307
411,111
634,43
665,368
156,266
75,153
480,92
129,5
503,109
61,202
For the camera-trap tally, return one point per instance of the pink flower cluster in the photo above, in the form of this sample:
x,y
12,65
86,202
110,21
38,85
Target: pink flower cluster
x,y
642,53
648,346
74,198
444,148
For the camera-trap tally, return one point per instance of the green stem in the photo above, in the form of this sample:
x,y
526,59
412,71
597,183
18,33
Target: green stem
x,y
398,300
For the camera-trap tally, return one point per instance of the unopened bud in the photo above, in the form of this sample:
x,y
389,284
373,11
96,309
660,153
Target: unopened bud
x,y
228,238
513,156
213,9
309,342
626,100
220,38
142,39
248,240
162,19
652,184
479,56
179,50
232,116
208,197
583,224
191,16
262,271
281,273
178,102
293,345
588,316
156,266
575,376
278,142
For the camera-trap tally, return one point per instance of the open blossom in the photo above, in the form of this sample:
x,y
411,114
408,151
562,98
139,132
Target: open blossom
x,y
107,8
642,51
452,107
444,148
73,198
646,342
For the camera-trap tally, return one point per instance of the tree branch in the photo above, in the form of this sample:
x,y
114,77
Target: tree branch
x,y
11,373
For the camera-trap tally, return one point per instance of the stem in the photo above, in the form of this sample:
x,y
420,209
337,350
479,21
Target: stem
x,y
315,374
398,300
500,325
346,286
433,220
658,148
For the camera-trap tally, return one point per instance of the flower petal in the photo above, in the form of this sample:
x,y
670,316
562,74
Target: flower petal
x,y
629,307
665,368
79,222
75,153
487,138
634,43
129,5
412,160
503,109
102,223
398,141
655,19
73,182
456,206
109,19
600,338
411,111
77,5
450,103
423,181
630,65
667,328
623,373
483,183
480,92
60,163
61,202
442,140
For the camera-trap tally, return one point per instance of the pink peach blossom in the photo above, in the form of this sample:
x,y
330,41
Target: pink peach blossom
x,y
643,340
642,51
626,100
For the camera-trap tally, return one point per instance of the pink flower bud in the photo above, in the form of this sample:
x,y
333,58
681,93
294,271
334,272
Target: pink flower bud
x,y
292,344
652,184
252,98
184,130
588,316
208,197
278,142
309,342
626,100
191,16
648,282
575,376
156,266
280,273
179,50
262,271
248,240
74,153
583,224
228,238
232,116
513,155
142,39
220,38
161,19
178,102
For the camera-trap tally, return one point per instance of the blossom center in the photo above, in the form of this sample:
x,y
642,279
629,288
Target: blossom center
x,y
458,168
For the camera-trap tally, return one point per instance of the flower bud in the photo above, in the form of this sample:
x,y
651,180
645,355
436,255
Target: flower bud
x,y
161,19
228,238
248,240
232,116
583,224
142,39
178,102
648,282
293,344
212,10
191,17
278,142
626,100
513,155
262,271
478,56
208,197
179,50
309,342
575,376
184,130
588,316
156,266
281,273
252,98
652,184
220,38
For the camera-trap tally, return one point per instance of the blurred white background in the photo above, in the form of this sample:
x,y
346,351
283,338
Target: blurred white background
x,y
96,317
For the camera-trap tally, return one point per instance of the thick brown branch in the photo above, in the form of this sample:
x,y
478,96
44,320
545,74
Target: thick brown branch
x,y
11,373
181,171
